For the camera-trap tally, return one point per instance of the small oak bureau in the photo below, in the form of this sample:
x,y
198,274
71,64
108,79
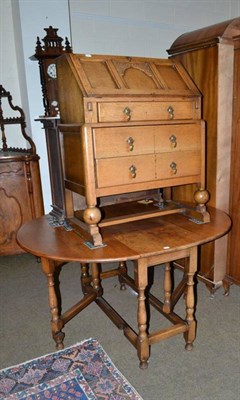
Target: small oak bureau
x,y
130,130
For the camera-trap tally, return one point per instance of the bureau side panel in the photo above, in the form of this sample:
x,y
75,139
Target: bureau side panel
x,y
72,154
70,95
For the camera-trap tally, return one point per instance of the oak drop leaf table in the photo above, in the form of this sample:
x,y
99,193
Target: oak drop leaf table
x,y
147,243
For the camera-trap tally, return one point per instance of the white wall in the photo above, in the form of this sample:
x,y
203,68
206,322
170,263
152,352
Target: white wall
x,y
141,27
9,71
35,15
129,27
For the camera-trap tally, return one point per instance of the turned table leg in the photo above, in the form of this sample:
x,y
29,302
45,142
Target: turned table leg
x,y
141,281
49,269
122,272
84,277
190,270
167,287
96,282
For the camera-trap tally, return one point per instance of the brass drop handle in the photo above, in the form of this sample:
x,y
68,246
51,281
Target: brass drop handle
x,y
173,141
130,141
127,111
170,110
133,170
173,167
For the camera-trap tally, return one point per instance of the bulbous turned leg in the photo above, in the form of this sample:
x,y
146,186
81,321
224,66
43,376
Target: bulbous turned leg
x,y
201,197
91,216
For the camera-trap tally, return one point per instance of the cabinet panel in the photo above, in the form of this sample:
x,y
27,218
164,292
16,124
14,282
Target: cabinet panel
x,y
20,201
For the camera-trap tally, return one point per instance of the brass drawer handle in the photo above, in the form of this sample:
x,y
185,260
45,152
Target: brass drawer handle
x,y
173,167
133,170
130,141
127,111
173,141
170,110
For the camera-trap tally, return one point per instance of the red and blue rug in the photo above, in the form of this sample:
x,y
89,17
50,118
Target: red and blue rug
x,y
83,371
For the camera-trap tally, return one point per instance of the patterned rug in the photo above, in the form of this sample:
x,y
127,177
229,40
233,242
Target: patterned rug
x,y
83,371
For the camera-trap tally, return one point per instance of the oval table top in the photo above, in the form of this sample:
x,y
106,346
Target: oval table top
x,y
122,242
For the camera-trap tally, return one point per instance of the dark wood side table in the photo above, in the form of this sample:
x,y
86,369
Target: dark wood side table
x,y
20,182
147,243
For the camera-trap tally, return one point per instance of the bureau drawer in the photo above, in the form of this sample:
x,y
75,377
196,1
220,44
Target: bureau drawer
x,y
124,111
125,170
123,141
178,137
178,165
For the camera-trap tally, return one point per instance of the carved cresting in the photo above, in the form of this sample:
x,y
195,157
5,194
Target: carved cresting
x,y
46,53
20,120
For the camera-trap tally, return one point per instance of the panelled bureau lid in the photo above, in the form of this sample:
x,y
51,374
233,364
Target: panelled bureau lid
x,y
117,75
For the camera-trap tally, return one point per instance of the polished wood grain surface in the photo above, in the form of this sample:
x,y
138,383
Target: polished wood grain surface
x,y
123,242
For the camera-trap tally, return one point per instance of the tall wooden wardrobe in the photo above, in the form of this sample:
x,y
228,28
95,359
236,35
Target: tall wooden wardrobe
x,y
211,56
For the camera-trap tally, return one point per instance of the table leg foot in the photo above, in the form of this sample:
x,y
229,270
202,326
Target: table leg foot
x,y
143,365
189,346
58,338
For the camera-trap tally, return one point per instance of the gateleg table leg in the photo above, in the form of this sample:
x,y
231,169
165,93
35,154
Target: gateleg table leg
x,y
190,271
96,282
141,281
167,287
84,276
122,272
49,269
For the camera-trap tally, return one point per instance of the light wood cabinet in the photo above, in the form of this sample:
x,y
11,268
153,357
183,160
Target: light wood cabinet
x,y
211,57
130,130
